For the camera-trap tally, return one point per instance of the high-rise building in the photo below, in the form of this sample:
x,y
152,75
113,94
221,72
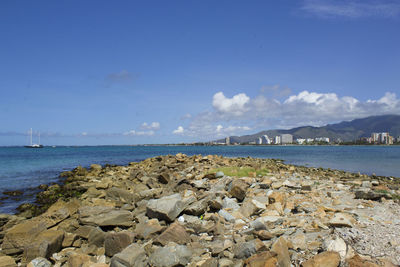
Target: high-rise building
x,y
286,138
277,140
227,141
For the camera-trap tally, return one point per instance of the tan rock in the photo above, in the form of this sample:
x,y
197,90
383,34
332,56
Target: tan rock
x,y
44,245
7,261
174,233
238,189
281,249
357,261
259,260
79,260
146,228
324,259
342,220
69,239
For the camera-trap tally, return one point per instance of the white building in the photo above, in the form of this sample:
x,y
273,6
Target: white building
x,y
301,141
260,141
286,138
277,140
227,141
268,140
322,139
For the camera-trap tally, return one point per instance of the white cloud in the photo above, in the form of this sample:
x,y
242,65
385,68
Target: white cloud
x,y
179,130
352,8
152,126
235,105
262,113
139,133
84,133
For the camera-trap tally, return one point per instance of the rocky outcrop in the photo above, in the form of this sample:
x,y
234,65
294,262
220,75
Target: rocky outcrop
x,y
183,211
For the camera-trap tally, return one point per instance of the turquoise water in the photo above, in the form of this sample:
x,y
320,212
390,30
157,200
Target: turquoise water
x,y
25,169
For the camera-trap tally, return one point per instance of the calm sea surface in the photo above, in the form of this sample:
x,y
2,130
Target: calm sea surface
x,y
25,169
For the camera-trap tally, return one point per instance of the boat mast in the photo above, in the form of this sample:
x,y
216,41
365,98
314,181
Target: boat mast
x,y
31,136
39,138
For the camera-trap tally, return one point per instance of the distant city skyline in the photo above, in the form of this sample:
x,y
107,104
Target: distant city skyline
x,y
101,72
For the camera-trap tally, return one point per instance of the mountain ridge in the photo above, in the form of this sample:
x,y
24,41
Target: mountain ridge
x,y
345,130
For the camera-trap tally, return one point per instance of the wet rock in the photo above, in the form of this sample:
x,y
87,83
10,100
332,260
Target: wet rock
x,y
238,189
39,262
166,208
174,233
13,193
324,259
104,216
171,255
115,242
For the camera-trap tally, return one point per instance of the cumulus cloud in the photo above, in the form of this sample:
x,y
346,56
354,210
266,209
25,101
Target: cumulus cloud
x,y
352,8
152,126
236,104
178,130
239,114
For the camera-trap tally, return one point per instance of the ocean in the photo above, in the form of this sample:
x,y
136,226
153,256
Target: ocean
x,y
25,169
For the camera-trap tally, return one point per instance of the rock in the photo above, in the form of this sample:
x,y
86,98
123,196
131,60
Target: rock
x,y
59,211
246,249
163,178
276,196
369,195
84,231
132,256
115,242
219,174
259,260
258,224
171,255
238,189
146,228
121,194
166,208
281,249
197,208
230,203
13,193
104,216
341,220
78,260
264,235
69,239
174,233
96,237
324,259
7,261
44,245
251,207
39,262
227,216
21,235
357,261
336,245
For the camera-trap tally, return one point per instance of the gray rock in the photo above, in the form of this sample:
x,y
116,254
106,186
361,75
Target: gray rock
x,y
219,174
121,194
96,237
115,242
39,262
197,208
132,256
230,203
166,208
246,249
227,216
104,216
171,255
258,224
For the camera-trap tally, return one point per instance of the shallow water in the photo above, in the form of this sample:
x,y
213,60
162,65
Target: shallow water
x,y
25,169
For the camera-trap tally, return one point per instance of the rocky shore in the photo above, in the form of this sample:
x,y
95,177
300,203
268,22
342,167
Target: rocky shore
x,y
207,211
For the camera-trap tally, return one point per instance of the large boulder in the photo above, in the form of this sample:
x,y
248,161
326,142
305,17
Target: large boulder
x,y
174,233
116,242
281,249
324,259
171,255
238,189
166,208
132,256
7,261
44,245
121,194
21,235
104,216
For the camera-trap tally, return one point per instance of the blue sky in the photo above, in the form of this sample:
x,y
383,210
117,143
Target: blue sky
x,y
131,72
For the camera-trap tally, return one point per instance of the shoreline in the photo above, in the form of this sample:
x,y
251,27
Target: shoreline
x,y
103,214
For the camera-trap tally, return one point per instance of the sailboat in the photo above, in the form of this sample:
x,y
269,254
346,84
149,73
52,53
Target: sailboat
x,y
34,145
